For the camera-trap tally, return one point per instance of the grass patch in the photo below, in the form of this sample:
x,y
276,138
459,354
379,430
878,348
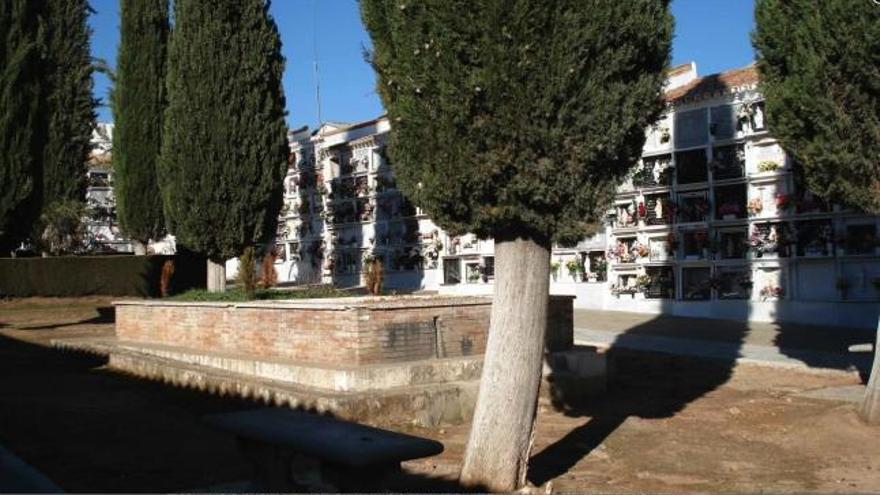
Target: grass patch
x,y
238,295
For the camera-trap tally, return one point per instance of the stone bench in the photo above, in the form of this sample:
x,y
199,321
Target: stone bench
x,y
296,451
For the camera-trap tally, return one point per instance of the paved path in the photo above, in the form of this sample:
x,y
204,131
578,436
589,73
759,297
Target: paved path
x,y
794,346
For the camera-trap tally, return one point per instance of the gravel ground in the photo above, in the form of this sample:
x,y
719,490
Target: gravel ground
x,y
668,424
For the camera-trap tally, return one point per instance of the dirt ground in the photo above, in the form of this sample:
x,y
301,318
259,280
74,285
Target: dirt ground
x,y
668,424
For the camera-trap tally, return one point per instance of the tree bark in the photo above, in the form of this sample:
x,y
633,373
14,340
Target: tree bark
x,y
140,248
216,276
500,440
870,410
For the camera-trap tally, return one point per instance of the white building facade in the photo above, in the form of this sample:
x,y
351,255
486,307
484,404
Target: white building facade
x,y
714,221
101,226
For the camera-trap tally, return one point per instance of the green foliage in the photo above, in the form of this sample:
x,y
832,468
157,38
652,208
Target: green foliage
x,y
238,294
21,122
224,145
138,105
247,272
71,116
61,228
517,118
74,276
819,73
574,266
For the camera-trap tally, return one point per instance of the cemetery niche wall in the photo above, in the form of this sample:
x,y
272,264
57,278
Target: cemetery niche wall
x,y
713,206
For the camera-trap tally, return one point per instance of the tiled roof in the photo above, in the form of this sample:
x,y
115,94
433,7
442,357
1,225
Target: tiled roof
x,y
713,84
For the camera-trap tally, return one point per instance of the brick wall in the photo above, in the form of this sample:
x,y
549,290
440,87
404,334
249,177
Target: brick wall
x,y
339,333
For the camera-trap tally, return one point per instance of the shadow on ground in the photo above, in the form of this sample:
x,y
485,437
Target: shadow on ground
x,y
658,387
92,430
106,315
800,342
662,385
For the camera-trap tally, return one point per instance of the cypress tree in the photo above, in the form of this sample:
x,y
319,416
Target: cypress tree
x,y
21,123
71,115
224,145
516,120
818,64
138,106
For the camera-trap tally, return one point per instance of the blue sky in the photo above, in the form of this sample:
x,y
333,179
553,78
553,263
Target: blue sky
x,y
714,33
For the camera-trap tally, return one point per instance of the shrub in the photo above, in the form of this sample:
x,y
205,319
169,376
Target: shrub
x,y
374,276
165,282
238,294
247,272
268,275
61,227
74,276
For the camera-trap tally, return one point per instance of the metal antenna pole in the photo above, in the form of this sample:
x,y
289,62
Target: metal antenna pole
x,y
315,64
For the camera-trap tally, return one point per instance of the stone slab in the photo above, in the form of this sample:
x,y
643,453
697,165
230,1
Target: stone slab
x,y
16,476
762,355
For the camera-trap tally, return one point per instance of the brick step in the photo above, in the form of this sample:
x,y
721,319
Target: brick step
x,y
333,378
426,405
424,393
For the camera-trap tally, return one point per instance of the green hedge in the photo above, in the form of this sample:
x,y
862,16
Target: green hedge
x,y
72,276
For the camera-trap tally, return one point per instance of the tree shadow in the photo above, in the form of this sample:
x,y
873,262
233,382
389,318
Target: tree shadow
x,y
89,429
651,385
106,315
828,347
641,384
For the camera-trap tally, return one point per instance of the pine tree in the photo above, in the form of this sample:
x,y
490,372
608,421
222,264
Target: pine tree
x,y
516,120
138,107
21,122
819,74
224,145
71,116
818,64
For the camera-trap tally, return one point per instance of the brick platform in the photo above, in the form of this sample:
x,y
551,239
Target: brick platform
x,y
349,331
381,360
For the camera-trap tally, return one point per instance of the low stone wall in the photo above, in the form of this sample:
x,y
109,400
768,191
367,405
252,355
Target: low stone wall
x,y
334,332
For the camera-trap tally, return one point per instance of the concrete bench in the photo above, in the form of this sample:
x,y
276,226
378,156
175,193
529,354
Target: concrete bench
x,y
296,451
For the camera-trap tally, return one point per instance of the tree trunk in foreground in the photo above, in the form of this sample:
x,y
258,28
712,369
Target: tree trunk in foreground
x,y
216,276
870,410
500,441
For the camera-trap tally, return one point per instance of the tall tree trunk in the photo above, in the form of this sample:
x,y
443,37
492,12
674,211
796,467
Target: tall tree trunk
x,y
870,410
140,248
216,276
502,431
